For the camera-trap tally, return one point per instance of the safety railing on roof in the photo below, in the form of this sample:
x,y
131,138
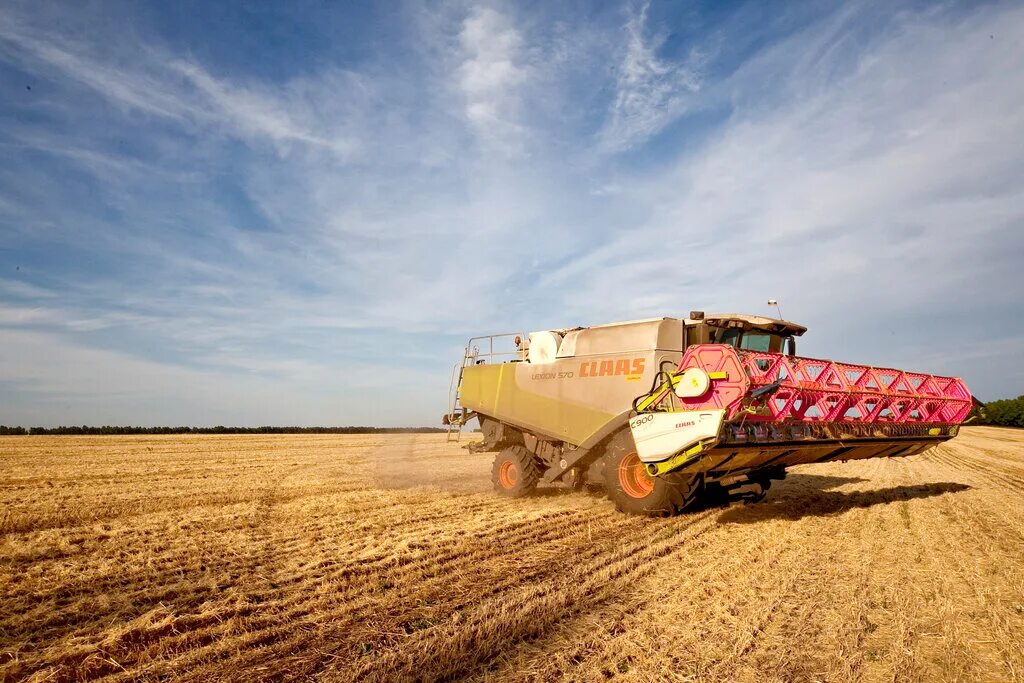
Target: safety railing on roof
x,y
474,355
457,414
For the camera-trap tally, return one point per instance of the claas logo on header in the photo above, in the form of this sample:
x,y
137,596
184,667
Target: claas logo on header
x,y
609,368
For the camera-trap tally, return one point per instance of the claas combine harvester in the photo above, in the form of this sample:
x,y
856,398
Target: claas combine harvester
x,y
669,411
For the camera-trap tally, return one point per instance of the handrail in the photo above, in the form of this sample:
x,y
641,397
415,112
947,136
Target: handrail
x,y
472,356
474,353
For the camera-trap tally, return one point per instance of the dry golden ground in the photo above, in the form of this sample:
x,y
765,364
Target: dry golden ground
x,y
388,558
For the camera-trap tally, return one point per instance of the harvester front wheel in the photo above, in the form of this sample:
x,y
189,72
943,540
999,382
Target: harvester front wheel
x,y
634,491
515,473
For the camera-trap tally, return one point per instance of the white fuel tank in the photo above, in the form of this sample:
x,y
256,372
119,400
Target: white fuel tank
x,y
543,347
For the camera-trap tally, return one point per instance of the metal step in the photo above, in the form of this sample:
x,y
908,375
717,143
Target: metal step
x,y
456,415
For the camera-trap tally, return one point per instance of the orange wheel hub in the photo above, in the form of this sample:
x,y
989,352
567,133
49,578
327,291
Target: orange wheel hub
x,y
508,474
633,477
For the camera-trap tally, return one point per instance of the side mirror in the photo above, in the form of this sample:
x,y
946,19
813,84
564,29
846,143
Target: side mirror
x,y
790,346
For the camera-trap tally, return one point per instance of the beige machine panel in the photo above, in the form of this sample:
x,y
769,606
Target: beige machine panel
x,y
665,334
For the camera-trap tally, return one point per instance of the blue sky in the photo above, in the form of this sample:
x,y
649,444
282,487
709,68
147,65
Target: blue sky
x,y
296,213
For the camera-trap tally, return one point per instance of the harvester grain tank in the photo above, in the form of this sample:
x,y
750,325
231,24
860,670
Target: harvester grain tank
x,y
665,411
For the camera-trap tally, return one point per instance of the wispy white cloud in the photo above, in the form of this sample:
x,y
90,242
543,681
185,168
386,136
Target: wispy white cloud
x,y
182,90
489,76
262,114
867,192
135,89
15,288
651,92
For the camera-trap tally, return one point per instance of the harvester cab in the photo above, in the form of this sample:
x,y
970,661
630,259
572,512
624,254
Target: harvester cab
x,y
749,332
665,411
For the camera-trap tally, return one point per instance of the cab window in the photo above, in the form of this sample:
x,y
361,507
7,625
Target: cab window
x,y
758,341
728,335
752,340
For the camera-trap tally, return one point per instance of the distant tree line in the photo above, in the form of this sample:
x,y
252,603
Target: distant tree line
x,y
1008,412
109,429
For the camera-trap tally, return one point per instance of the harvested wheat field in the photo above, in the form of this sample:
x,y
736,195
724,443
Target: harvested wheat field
x,y
388,558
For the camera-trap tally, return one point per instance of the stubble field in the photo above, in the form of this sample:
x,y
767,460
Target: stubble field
x,y
388,558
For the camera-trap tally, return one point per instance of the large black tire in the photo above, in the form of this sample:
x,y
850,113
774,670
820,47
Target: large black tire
x,y
636,492
515,473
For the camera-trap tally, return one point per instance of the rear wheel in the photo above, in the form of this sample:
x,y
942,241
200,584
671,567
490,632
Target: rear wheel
x,y
634,491
514,473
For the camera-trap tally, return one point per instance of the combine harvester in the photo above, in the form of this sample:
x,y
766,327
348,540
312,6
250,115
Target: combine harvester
x,y
665,412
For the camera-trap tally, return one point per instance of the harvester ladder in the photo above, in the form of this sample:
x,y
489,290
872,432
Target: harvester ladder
x,y
458,415
456,411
